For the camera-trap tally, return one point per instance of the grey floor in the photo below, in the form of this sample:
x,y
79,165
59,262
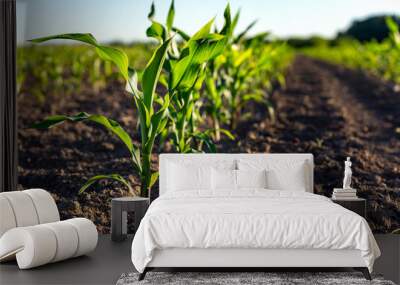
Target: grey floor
x,y
111,259
104,266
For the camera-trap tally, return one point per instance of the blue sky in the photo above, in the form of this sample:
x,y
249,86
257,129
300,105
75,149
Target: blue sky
x,y
126,20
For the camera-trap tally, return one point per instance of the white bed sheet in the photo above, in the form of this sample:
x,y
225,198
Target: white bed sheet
x,y
252,218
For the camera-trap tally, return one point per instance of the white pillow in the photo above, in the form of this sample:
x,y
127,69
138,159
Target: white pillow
x,y
291,179
227,179
224,179
280,174
251,178
183,177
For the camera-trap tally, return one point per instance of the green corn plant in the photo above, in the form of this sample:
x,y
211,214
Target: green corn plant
x,y
214,83
244,73
394,34
235,70
270,62
152,121
185,68
238,65
391,55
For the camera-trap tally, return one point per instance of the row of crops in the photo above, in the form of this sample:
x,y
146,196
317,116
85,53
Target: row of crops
x,y
62,69
192,90
382,59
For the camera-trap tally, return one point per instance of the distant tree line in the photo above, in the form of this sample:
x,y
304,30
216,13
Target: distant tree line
x,y
371,28
364,30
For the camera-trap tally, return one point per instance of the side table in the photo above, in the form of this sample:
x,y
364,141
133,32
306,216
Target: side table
x,y
119,215
357,205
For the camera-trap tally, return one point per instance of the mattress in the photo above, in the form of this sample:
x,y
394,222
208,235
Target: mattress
x,y
250,219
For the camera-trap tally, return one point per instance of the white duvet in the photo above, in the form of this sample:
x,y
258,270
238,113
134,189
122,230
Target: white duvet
x,y
250,218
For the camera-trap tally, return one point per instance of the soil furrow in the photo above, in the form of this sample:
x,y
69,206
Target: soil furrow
x,y
336,104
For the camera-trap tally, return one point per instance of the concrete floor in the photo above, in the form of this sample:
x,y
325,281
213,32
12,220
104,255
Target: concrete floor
x,y
103,266
106,264
388,264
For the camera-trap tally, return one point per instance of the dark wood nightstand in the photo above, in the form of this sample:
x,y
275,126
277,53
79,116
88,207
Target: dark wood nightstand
x,y
357,205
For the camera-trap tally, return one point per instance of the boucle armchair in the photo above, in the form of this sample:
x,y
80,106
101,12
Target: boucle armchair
x,y
31,231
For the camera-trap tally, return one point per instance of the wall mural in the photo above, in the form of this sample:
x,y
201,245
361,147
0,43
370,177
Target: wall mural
x,y
245,92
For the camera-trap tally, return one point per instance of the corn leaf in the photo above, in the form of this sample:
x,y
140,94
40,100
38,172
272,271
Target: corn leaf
x,y
157,122
85,38
115,128
392,25
188,79
209,49
171,15
157,31
227,28
204,52
118,57
242,57
144,113
206,139
152,73
186,70
152,12
235,20
394,30
96,178
179,68
203,32
212,90
257,39
243,34
132,83
227,133
109,124
153,179
183,35
200,79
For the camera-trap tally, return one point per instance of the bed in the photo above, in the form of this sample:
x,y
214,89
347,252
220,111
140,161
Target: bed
x,y
247,211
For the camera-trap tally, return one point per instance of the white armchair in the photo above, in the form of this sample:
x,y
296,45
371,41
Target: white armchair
x,y
31,230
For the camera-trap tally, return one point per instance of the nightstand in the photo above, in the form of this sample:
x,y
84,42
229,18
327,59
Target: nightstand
x,y
357,205
119,214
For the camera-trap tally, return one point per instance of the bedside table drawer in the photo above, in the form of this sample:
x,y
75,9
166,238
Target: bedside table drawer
x,y
358,206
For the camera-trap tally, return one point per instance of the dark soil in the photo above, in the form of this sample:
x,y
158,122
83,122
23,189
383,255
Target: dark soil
x,y
325,109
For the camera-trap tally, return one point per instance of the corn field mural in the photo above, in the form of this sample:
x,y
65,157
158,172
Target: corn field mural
x,y
93,117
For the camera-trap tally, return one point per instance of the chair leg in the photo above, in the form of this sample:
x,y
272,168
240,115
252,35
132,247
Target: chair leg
x,y
143,274
364,271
